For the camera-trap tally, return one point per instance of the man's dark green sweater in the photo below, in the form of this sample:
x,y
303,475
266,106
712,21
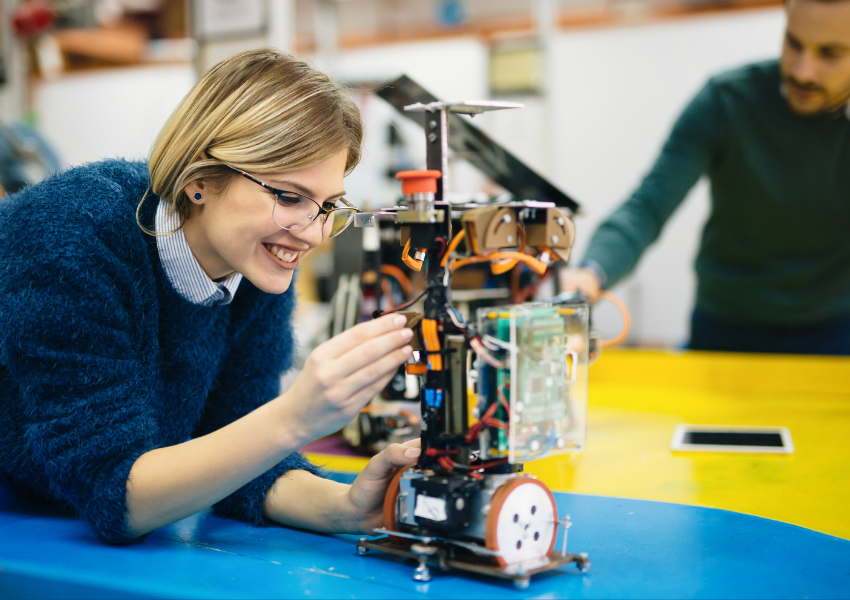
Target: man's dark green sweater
x,y
775,250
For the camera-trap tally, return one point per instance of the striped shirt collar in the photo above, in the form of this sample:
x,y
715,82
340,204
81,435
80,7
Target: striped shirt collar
x,y
181,267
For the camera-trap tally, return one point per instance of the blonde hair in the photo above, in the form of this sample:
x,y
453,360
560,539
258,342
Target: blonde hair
x,y
262,111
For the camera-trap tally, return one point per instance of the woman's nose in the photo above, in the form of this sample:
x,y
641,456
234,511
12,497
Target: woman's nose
x,y
312,234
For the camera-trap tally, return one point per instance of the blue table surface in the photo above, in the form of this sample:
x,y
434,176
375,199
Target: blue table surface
x,y
638,549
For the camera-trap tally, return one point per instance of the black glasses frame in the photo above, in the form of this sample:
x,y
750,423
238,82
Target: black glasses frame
x,y
283,196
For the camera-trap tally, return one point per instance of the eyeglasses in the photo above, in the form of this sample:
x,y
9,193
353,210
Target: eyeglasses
x,y
294,212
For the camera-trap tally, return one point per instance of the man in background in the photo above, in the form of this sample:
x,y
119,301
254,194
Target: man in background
x,y
773,268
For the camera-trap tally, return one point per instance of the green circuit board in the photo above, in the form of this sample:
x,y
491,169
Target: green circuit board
x,y
539,362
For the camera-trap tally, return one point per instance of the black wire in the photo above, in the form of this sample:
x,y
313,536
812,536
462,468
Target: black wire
x,y
409,303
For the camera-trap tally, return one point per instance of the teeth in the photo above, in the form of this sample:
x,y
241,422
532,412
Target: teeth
x,y
284,256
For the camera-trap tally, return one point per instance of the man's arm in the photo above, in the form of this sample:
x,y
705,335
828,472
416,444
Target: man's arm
x,y
618,243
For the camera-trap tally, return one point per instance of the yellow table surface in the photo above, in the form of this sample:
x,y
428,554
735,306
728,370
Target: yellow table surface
x,y
637,397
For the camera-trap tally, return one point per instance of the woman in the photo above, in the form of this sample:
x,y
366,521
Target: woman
x,y
145,317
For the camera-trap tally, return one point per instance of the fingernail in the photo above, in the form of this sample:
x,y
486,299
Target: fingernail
x,y
408,350
407,333
400,320
412,452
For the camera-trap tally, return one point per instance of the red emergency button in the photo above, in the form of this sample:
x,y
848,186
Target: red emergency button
x,y
418,182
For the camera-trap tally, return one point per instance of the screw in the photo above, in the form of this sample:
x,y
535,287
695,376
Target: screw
x,y
554,239
459,504
521,583
432,137
507,219
510,239
433,124
561,221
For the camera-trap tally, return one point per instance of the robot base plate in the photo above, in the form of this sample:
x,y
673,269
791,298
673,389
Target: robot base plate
x,y
446,556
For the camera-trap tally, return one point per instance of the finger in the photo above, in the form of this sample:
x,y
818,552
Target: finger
x,y
371,351
388,460
361,397
414,443
363,332
376,370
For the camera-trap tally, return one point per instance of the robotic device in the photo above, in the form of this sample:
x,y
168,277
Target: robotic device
x,y
466,504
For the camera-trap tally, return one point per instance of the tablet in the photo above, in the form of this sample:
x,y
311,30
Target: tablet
x,y
731,438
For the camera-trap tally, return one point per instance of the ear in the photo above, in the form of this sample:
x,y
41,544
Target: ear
x,y
195,192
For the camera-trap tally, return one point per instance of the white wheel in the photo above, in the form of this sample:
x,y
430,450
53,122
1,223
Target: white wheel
x,y
521,521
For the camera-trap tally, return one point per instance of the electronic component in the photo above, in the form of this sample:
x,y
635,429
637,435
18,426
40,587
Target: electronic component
x,y
533,400
467,503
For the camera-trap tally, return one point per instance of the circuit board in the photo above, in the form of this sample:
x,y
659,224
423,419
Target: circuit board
x,y
534,405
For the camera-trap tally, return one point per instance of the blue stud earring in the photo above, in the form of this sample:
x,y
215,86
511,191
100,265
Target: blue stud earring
x,y
197,195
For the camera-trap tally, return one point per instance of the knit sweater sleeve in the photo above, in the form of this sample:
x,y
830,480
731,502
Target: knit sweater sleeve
x,y
262,348
694,142
68,337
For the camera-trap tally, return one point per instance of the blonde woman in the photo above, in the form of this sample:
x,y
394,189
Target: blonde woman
x,y
145,318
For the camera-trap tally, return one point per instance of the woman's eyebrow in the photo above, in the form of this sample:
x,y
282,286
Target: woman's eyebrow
x,y
304,190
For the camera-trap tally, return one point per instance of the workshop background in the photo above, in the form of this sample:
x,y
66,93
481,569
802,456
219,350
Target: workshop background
x,y
602,82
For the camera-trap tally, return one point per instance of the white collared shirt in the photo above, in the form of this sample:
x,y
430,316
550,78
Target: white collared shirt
x,y
182,268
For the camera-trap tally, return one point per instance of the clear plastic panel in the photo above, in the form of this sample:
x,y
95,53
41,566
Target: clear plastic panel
x,y
533,394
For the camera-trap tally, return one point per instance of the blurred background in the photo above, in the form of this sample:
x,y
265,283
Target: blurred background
x,y
602,82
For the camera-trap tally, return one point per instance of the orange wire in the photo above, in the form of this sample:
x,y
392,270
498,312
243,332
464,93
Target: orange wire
x,y
506,265
452,246
397,274
414,264
627,320
534,264
432,344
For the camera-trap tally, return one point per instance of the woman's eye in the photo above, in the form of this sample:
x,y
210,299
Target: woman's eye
x,y
288,199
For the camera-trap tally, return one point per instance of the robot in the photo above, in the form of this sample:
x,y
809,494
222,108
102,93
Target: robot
x,y
497,390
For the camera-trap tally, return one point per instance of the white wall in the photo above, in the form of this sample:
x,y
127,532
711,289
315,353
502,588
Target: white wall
x,y
109,113
453,70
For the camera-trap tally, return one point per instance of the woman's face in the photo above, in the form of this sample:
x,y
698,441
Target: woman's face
x,y
233,231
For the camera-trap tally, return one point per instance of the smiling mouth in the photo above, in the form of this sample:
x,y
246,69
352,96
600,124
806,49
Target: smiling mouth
x,y
284,255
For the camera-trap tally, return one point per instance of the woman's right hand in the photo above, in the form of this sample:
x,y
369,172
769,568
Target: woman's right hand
x,y
342,375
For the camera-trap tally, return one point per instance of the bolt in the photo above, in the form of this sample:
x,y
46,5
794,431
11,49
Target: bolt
x,y
561,221
432,137
432,124
507,219
459,504
521,583
554,239
510,239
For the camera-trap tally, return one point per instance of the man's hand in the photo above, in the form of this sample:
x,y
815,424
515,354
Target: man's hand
x,y
583,280
366,495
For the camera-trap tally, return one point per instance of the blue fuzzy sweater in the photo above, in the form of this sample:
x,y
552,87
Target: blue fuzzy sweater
x,y
101,360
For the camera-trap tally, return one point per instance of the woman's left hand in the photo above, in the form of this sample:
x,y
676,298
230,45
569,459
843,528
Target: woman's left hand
x,y
366,495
